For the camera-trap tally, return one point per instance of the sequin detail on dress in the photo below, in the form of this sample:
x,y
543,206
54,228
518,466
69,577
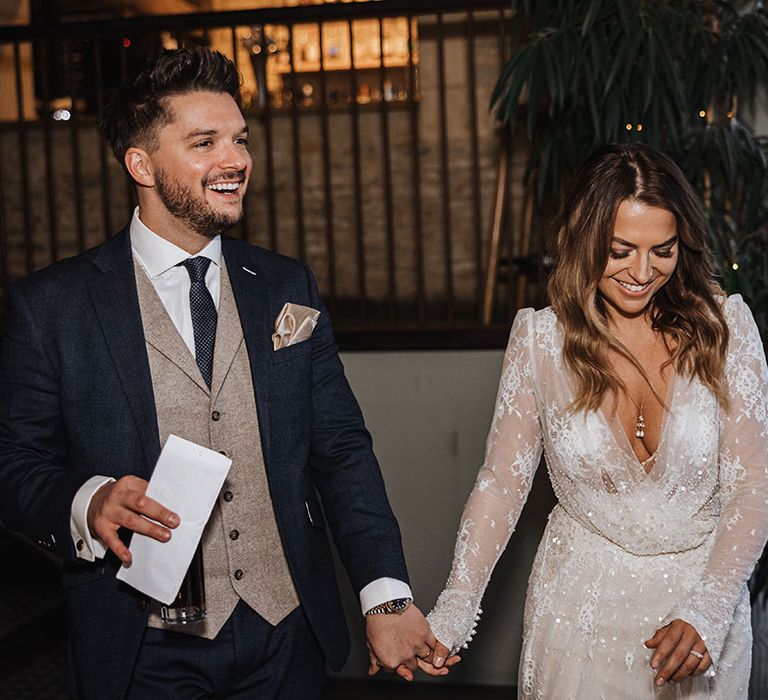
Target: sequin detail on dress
x,y
624,552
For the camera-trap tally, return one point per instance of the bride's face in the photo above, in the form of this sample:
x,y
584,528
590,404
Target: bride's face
x,y
642,258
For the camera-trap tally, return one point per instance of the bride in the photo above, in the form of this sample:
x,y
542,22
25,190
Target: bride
x,y
647,390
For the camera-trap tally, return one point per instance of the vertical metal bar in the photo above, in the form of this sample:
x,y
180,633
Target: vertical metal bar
x,y
387,163
130,193
106,189
503,41
270,159
235,58
494,244
50,181
511,220
446,188
354,112
327,181
29,248
418,228
475,150
506,143
298,180
4,276
77,175
525,245
245,229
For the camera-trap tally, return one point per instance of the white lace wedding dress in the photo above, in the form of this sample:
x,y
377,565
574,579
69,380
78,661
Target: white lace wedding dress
x,y
624,552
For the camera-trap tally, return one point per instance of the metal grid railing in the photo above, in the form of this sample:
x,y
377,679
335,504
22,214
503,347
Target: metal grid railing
x,y
381,172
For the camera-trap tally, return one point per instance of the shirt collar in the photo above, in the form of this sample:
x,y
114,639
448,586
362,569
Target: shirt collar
x,y
157,255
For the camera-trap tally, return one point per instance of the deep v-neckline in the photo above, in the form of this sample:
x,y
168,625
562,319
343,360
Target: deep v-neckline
x,y
622,440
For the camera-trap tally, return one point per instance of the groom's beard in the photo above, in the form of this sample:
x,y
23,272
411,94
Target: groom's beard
x,y
193,209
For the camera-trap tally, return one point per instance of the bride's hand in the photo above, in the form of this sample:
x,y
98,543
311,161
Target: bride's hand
x,y
436,663
680,652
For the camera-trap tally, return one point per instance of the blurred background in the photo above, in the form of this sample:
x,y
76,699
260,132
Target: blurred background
x,y
412,153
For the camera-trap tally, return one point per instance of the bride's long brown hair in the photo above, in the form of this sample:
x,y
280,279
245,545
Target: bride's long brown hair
x,y
686,310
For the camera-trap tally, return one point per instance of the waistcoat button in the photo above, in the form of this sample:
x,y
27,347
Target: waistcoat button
x,y
239,574
228,496
234,535
215,415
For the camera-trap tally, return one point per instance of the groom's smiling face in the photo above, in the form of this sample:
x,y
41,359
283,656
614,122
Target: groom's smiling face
x,y
201,163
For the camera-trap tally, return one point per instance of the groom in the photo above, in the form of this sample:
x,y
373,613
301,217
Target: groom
x,y
168,329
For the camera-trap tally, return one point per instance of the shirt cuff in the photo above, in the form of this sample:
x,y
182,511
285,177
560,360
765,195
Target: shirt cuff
x,y
381,590
88,547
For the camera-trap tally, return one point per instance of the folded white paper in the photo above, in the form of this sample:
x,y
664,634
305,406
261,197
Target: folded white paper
x,y
187,479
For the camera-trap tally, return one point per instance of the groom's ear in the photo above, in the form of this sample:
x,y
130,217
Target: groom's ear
x,y
139,166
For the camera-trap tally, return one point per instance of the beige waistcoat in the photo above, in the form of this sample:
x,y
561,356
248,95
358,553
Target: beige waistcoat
x,y
243,555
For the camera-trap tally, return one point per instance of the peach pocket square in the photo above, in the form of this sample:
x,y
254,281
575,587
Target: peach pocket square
x,y
293,325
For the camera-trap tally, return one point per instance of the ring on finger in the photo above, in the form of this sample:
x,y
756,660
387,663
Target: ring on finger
x,y
697,654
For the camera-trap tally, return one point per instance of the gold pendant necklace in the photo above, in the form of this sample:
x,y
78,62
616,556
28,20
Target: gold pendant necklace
x,y
640,425
640,432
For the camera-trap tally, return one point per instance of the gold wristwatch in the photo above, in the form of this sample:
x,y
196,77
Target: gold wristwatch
x,y
397,606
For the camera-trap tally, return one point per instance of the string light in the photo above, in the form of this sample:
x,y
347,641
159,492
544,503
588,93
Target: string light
x,y
735,266
639,127
702,113
628,127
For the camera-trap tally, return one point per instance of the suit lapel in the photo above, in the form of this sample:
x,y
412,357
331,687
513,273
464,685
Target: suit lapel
x,y
114,297
229,333
160,332
251,289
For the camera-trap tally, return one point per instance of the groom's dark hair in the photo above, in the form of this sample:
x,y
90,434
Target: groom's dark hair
x,y
139,108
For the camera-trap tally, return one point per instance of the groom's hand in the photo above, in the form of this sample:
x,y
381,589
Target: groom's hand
x,y
123,503
395,641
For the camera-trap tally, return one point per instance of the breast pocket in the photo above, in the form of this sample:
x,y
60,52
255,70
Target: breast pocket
x,y
300,351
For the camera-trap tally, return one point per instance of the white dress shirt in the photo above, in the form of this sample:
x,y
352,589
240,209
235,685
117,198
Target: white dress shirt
x,y
160,260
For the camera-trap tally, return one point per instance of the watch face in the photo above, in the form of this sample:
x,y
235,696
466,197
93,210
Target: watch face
x,y
400,604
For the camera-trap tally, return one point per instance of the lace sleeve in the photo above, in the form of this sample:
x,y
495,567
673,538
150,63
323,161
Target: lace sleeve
x,y
513,451
743,470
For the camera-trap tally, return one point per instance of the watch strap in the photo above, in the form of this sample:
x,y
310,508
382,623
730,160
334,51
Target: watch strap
x,y
396,606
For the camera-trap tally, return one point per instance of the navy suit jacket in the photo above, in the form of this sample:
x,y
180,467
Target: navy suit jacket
x,y
76,400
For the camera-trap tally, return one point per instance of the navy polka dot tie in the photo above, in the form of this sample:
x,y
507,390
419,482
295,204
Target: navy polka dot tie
x,y
204,315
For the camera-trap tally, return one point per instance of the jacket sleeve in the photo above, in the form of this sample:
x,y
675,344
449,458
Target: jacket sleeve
x,y
345,470
36,488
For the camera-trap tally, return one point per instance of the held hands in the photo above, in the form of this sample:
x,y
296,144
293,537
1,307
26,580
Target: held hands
x,y
123,503
440,661
403,643
680,652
